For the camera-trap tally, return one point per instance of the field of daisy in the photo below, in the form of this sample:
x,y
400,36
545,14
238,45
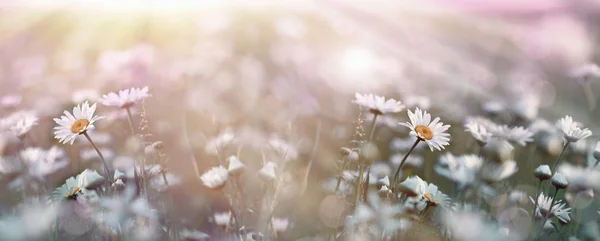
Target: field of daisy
x,y
307,120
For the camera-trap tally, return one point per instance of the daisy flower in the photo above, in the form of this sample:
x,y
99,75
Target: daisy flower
x,y
215,178
19,123
435,197
377,104
125,98
584,72
571,131
431,132
460,169
285,149
413,186
72,125
69,190
479,132
558,210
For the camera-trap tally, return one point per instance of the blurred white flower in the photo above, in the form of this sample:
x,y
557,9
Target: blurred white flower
x,y
125,98
541,125
32,222
558,210
527,108
215,178
19,123
460,169
435,197
496,172
158,181
482,131
479,132
378,104
193,235
471,226
413,186
90,179
518,134
219,143
236,166
41,163
381,169
431,132
280,224
222,219
383,215
585,72
72,125
571,130
285,149
580,177
493,107
69,190
267,172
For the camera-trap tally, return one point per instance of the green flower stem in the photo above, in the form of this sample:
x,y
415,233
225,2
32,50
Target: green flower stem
x,y
393,184
143,168
549,210
373,126
559,155
106,168
537,195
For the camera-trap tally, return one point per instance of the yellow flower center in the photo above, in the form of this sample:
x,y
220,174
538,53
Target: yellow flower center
x,y
424,132
428,197
79,125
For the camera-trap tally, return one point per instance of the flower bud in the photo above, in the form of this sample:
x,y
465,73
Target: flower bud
x,y
543,172
236,166
559,181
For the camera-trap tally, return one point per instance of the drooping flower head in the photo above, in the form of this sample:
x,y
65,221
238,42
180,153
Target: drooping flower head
x,y
571,131
431,132
377,104
72,125
125,98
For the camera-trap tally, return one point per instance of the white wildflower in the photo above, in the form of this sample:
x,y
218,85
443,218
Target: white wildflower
x,y
215,178
72,125
378,104
431,132
125,98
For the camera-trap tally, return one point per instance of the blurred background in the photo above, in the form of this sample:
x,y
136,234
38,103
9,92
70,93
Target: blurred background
x,y
279,69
